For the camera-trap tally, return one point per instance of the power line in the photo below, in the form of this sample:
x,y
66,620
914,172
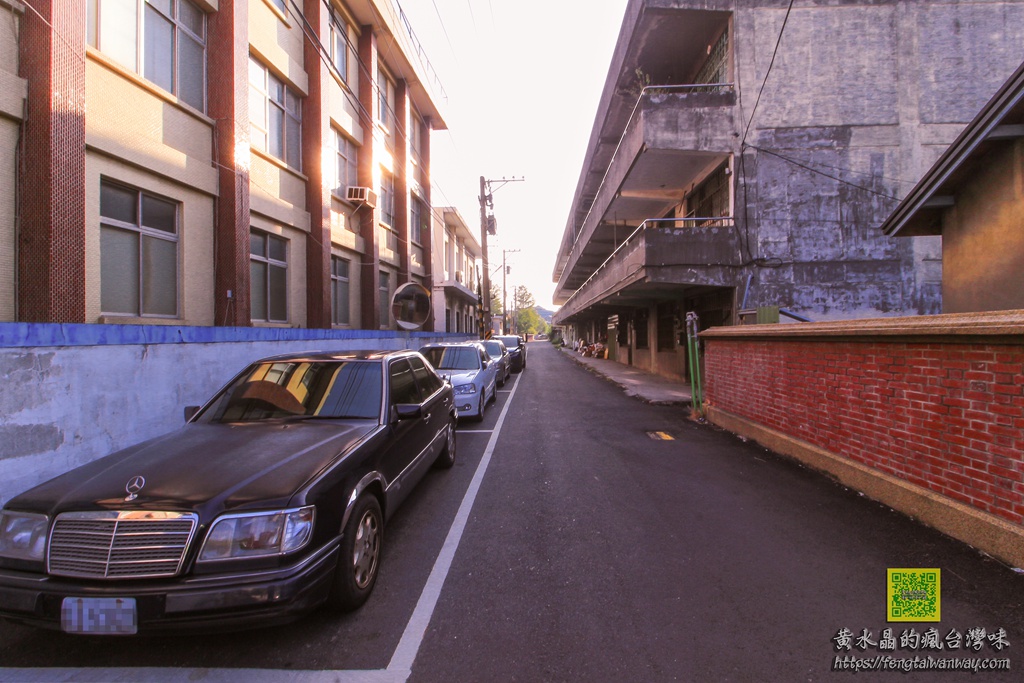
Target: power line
x,y
768,72
827,175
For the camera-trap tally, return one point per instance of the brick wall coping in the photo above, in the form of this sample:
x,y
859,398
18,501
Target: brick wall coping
x,y
999,327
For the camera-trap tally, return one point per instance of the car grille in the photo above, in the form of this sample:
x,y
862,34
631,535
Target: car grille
x,y
119,545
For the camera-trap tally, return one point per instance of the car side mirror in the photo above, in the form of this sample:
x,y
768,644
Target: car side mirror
x,y
190,412
408,411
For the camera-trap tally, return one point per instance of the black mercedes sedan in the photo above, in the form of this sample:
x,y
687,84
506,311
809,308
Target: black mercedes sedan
x,y
269,501
516,349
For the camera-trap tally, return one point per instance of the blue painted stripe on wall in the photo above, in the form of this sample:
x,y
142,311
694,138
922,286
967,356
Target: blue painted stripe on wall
x,y
67,334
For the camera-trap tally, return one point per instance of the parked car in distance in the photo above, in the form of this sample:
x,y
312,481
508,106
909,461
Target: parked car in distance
x,y
500,356
472,374
516,349
268,502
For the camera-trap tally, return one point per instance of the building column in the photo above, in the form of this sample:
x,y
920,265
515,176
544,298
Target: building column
x,y
51,242
427,240
228,96
368,174
402,197
316,140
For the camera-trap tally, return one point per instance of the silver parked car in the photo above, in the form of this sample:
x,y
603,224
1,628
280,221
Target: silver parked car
x,y
471,372
500,355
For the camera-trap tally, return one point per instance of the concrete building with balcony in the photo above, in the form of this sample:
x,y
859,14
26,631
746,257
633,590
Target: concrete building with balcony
x,y
457,276
744,155
213,162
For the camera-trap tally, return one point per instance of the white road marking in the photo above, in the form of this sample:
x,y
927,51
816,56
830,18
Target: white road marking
x,y
409,645
398,670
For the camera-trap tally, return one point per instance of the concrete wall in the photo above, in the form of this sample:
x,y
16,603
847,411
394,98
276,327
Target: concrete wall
x,y
924,414
73,393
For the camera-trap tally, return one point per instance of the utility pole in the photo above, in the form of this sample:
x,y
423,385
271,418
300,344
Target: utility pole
x,y
487,200
504,293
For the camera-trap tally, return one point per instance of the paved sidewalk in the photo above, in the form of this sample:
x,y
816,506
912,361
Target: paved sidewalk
x,y
646,386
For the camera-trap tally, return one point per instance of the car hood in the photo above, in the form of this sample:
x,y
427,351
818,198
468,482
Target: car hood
x,y
203,465
457,377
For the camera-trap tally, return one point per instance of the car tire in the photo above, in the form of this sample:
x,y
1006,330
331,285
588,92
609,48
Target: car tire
x,y
359,561
482,405
447,456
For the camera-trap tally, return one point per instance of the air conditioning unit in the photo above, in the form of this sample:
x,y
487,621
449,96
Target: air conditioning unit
x,y
459,277
362,195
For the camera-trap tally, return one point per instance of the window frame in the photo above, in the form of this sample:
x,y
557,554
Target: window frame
x,y
96,39
341,282
384,291
289,115
142,232
347,157
270,262
339,28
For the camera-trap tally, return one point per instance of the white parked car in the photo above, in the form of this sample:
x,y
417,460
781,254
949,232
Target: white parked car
x,y
470,370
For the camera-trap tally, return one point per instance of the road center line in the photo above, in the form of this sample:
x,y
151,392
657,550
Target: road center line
x,y
409,645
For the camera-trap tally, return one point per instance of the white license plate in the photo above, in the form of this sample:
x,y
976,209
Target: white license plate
x,y
106,616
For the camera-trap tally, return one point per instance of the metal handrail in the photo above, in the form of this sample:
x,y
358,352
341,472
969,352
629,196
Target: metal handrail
x,y
698,222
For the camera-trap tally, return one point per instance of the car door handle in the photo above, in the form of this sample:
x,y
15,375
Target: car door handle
x,y
427,417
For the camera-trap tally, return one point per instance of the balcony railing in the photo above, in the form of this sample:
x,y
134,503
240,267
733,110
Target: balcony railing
x,y
647,91
690,222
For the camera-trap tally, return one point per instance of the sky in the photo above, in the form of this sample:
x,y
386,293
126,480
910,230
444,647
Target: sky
x,y
523,79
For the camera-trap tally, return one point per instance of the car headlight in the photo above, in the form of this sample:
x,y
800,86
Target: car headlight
x,y
258,534
465,389
23,535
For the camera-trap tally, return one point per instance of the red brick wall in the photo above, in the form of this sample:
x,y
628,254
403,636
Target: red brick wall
x,y
946,416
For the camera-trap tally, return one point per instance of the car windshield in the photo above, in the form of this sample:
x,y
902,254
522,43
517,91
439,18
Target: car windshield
x,y
510,342
309,389
453,357
493,349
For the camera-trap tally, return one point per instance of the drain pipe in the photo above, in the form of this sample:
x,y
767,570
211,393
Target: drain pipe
x,y
693,351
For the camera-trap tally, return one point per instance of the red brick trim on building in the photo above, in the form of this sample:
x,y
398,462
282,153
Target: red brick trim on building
x,y
51,247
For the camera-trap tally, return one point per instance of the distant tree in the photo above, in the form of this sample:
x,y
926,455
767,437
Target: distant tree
x,y
530,322
521,298
496,306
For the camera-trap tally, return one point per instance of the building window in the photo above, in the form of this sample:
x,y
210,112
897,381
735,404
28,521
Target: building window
x,y
419,227
387,198
170,49
138,252
385,99
347,167
417,136
710,199
340,45
384,279
666,326
716,68
339,291
268,271
275,116
640,328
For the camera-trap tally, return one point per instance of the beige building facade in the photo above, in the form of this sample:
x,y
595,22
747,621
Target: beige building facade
x,y
457,275
219,162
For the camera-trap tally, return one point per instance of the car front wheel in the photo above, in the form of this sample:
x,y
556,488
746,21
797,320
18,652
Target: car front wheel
x,y
359,561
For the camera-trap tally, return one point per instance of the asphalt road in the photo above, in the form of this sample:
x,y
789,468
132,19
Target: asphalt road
x,y
573,546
